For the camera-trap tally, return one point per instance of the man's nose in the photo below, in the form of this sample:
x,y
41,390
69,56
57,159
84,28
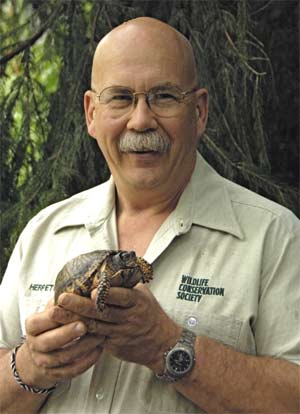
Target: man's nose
x,y
141,117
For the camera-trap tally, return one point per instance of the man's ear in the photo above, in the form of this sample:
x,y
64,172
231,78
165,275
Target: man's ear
x,y
89,109
202,110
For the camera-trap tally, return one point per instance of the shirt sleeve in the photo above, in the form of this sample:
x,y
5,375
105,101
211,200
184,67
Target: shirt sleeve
x,y
276,329
10,327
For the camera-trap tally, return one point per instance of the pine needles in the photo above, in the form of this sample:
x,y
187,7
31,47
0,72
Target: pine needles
x,y
47,48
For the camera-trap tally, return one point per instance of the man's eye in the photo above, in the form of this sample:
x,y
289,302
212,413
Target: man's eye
x,y
165,97
121,97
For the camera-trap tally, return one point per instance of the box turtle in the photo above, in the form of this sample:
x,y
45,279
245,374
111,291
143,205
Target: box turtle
x,y
102,269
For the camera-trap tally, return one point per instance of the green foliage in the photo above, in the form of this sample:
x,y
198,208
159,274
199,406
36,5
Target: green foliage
x,y
46,53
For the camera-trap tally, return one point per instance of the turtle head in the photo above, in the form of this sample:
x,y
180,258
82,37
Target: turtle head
x,y
123,259
125,269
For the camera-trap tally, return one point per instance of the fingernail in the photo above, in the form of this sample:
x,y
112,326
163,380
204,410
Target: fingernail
x,y
63,299
80,328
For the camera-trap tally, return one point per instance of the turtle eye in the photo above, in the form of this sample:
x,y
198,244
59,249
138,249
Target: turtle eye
x,y
125,256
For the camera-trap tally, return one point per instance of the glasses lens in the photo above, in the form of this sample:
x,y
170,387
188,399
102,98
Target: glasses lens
x,y
116,98
165,101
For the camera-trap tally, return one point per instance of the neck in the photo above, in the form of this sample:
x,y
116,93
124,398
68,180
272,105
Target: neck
x,y
140,215
152,201
141,211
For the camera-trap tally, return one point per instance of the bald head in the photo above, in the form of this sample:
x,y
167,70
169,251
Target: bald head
x,y
142,41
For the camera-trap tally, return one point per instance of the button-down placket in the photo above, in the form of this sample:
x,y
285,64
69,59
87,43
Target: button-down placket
x,y
103,383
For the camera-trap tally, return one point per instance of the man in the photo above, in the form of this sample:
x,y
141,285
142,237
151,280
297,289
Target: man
x,y
217,329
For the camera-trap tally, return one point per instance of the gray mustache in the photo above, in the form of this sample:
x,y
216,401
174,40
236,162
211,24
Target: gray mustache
x,y
146,141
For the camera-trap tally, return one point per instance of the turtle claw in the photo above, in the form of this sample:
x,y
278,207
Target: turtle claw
x,y
102,292
146,268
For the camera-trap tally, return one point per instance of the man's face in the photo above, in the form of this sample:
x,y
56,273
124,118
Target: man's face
x,y
142,67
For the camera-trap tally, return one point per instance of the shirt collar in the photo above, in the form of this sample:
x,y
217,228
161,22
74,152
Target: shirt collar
x,y
205,202
89,208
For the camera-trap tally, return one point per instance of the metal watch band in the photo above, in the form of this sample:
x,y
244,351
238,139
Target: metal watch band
x,y
187,338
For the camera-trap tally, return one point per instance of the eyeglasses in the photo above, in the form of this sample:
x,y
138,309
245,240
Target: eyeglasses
x,y
163,100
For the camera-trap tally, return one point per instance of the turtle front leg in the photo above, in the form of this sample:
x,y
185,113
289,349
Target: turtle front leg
x,y
102,292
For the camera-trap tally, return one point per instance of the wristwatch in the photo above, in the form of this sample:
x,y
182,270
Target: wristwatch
x,y
180,359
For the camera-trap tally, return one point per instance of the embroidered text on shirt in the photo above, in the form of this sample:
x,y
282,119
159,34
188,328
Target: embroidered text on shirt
x,y
192,289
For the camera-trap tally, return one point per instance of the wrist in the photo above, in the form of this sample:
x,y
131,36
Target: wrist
x,y
158,365
28,372
180,358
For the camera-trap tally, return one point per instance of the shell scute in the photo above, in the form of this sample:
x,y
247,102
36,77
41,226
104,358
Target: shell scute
x,y
76,276
102,269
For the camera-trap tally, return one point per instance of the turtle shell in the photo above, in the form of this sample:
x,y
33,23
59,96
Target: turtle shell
x,y
86,271
77,275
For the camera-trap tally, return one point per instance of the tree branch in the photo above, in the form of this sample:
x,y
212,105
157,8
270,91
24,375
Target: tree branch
x,y
243,58
29,42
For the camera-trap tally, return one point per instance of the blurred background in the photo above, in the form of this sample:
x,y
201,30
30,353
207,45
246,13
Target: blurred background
x,y
248,58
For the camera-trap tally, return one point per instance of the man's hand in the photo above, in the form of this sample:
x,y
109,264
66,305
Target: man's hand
x,y
135,326
56,348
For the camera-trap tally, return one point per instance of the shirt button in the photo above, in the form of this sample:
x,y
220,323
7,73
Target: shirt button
x,y
100,394
192,322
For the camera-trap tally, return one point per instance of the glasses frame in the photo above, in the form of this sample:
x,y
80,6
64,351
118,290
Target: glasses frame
x,y
183,94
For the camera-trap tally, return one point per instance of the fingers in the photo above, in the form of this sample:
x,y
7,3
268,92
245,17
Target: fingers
x,y
50,368
77,367
40,322
119,312
114,314
56,338
68,354
78,304
57,345
63,316
122,297
74,305
119,309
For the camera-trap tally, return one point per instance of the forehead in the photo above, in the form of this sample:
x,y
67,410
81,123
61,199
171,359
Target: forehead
x,y
138,58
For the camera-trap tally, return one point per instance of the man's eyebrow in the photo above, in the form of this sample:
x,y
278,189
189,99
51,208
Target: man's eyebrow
x,y
159,85
164,83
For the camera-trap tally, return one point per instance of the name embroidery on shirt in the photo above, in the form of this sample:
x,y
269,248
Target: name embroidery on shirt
x,y
193,289
38,287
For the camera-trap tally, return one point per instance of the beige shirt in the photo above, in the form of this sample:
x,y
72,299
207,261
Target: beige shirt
x,y
226,265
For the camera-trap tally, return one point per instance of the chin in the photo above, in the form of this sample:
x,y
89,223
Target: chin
x,y
145,181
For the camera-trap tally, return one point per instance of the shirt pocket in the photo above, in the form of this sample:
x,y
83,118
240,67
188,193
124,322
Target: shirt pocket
x,y
160,397
227,329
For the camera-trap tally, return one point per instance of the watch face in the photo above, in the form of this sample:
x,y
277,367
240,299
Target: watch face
x,y
179,361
